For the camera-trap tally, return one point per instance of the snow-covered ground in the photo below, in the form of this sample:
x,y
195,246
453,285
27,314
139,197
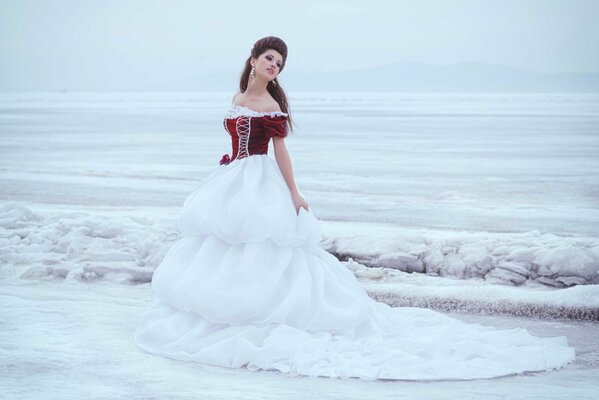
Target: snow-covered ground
x,y
87,248
73,340
480,203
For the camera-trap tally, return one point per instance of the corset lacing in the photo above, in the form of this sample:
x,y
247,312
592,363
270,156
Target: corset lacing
x,y
243,128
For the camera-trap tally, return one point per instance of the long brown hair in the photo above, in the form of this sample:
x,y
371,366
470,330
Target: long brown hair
x,y
276,91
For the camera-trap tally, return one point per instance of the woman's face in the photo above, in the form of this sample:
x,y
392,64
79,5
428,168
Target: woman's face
x,y
268,64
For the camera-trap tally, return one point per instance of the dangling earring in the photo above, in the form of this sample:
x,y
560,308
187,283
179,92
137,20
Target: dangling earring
x,y
274,82
253,73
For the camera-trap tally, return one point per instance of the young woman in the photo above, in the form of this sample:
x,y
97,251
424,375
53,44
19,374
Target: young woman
x,y
248,285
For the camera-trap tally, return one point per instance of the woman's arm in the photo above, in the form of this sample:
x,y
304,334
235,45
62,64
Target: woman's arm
x,y
284,162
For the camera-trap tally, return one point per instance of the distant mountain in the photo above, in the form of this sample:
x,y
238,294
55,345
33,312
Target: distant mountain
x,y
466,77
397,77
414,77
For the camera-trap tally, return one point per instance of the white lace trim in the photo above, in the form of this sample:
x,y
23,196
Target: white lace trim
x,y
242,111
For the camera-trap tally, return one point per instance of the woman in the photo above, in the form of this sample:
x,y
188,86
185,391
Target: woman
x,y
248,285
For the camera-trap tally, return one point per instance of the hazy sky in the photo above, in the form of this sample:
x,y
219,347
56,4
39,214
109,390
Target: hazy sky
x,y
84,44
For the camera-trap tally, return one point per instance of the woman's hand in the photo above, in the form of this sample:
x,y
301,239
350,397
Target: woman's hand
x,y
298,201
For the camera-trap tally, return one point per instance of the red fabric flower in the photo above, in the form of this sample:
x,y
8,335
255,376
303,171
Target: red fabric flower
x,y
225,160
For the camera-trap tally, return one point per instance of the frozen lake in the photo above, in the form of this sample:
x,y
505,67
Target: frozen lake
x,y
73,341
501,187
486,188
476,162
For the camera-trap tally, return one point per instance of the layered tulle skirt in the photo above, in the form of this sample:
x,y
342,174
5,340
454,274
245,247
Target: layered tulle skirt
x,y
249,286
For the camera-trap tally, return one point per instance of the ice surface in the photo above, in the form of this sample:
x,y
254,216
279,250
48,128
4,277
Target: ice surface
x,y
73,340
465,190
83,247
506,258
501,187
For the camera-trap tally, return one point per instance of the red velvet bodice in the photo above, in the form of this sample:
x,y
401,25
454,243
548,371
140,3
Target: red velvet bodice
x,y
251,131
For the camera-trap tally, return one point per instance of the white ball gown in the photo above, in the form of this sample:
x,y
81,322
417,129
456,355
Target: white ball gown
x,y
247,285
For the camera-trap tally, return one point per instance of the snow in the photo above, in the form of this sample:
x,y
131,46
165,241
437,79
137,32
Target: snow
x,y
480,205
87,248
62,244
505,258
79,246
72,340
398,288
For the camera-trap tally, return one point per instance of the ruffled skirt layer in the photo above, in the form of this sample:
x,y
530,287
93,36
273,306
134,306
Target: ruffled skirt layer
x,y
248,286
